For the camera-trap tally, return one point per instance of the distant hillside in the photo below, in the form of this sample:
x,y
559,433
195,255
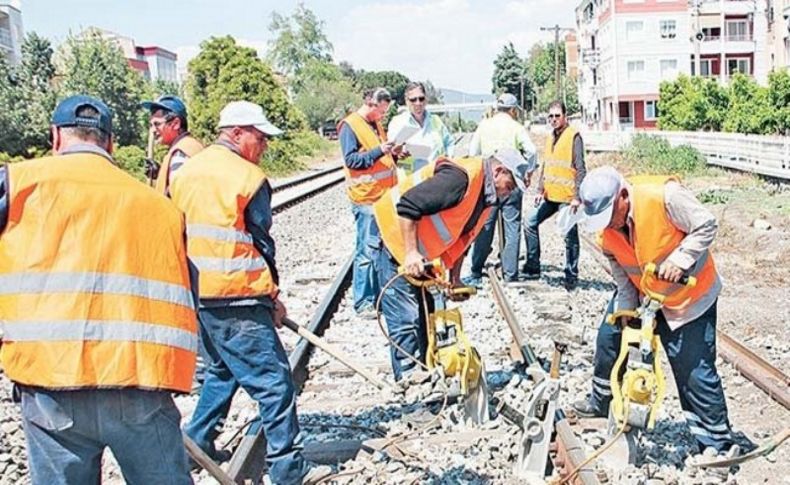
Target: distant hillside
x,y
452,96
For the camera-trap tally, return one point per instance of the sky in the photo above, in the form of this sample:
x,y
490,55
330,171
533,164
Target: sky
x,y
453,43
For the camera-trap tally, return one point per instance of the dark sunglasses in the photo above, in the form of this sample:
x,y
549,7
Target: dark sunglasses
x,y
417,98
551,117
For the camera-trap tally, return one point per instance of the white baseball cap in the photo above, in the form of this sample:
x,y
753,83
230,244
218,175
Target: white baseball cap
x,y
598,191
244,113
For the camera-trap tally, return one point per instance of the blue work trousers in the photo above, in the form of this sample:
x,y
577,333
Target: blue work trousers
x,y
691,351
67,432
546,209
243,349
402,306
365,284
511,218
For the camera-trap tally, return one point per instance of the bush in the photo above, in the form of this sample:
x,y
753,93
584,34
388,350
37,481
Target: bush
x,y
6,158
654,155
131,159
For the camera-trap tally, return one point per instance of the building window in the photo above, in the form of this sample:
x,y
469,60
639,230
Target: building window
x,y
737,30
651,110
668,29
669,68
636,70
738,65
633,30
705,67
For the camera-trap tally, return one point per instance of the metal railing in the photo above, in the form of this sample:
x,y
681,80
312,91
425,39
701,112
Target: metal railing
x,y
761,154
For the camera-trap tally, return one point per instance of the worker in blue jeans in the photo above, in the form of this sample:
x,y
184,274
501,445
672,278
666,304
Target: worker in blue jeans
x,y
511,219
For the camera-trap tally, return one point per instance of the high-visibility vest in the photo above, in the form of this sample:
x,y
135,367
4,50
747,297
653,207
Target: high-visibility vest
x,y
189,146
500,131
366,186
213,190
559,176
94,283
655,238
438,235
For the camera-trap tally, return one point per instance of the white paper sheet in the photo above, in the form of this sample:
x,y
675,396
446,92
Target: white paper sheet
x,y
404,134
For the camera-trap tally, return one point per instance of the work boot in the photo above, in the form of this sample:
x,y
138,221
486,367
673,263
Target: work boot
x,y
317,474
473,281
530,275
570,283
584,409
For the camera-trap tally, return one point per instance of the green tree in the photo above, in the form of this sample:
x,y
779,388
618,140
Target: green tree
x,y
692,104
749,110
779,99
509,73
11,116
541,63
37,92
394,81
298,39
432,94
325,93
95,66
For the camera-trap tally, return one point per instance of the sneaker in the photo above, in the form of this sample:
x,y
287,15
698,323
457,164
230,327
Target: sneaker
x,y
584,409
473,281
367,312
531,275
317,474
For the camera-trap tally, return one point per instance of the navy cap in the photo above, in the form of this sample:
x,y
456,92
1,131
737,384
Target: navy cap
x,y
65,114
167,103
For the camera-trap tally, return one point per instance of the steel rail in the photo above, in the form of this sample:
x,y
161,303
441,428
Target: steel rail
x,y
570,451
761,373
305,178
297,198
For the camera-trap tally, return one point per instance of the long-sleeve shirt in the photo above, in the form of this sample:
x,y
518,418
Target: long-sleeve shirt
x,y
577,162
432,133
443,191
354,156
700,225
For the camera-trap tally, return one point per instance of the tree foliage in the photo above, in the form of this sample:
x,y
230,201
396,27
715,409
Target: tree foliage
x,y
510,70
96,66
394,81
297,40
541,63
325,93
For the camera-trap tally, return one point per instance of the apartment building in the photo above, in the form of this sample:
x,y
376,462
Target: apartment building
x,y
628,47
153,62
11,31
778,20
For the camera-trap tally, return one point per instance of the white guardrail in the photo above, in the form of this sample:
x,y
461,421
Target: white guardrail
x,y
761,154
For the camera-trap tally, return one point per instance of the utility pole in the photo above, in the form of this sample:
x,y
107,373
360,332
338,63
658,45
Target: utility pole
x,y
557,29
697,38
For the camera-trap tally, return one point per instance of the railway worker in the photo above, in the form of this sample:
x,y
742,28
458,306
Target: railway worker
x,y
226,199
370,170
169,126
432,131
561,176
98,308
502,130
655,219
434,213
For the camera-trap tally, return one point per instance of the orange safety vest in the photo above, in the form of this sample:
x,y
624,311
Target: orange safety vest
x,y
655,237
367,185
213,190
438,235
189,146
94,283
559,176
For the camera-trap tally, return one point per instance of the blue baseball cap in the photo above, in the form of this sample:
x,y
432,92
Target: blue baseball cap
x,y
167,103
597,193
65,114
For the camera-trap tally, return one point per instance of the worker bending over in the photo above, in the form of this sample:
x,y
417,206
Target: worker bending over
x,y
434,213
169,126
654,219
97,306
227,202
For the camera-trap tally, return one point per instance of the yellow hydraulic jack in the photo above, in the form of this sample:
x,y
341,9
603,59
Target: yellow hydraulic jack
x,y
450,355
637,398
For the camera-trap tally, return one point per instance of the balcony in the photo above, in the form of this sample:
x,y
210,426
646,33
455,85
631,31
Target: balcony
x,y
5,39
728,7
728,44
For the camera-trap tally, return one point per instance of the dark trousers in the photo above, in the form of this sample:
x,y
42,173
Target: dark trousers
x,y
243,349
691,351
545,210
511,217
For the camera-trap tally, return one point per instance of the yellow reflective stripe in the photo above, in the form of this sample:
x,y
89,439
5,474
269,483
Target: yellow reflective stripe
x,y
218,233
98,330
229,265
95,283
369,178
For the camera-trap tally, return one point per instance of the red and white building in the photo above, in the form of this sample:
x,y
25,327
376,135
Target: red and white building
x,y
153,62
628,47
